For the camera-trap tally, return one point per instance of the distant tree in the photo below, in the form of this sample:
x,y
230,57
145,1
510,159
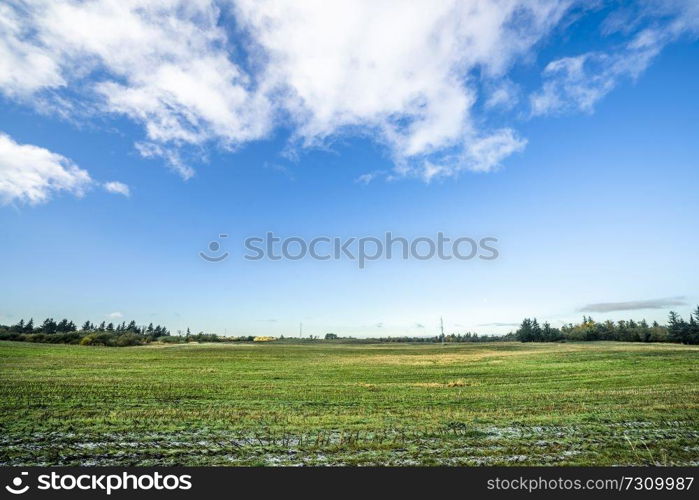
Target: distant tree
x,y
677,328
536,331
330,336
89,333
644,332
525,332
692,335
48,326
550,334
658,333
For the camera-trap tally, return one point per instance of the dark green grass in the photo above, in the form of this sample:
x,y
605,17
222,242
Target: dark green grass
x,y
468,404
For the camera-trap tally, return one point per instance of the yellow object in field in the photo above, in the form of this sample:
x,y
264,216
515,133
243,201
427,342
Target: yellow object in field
x,y
264,339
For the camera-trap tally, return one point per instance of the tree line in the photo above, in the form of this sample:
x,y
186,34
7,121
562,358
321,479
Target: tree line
x,y
448,338
677,330
425,339
67,332
50,326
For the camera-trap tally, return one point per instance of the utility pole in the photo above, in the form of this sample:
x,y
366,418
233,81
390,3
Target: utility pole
x,y
301,330
441,328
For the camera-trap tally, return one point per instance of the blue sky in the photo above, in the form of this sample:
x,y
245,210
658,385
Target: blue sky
x,y
567,131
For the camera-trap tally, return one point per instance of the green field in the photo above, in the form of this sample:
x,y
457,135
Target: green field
x,y
332,404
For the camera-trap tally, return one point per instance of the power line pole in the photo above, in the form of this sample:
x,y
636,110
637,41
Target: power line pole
x,y
301,330
441,328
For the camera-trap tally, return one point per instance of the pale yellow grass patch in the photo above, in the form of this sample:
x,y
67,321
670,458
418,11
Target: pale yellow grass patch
x,y
453,383
450,358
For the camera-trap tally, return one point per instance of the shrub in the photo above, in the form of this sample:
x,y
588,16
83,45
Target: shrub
x,y
33,337
10,336
171,339
128,339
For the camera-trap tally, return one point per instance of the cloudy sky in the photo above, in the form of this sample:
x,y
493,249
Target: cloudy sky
x,y
132,134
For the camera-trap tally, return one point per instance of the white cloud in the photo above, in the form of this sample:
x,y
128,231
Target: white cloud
x,y
31,174
486,153
481,154
117,188
115,315
164,64
503,96
169,154
407,75
399,73
576,83
24,67
395,71
367,178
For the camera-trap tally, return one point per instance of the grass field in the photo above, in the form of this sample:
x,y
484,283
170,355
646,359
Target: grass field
x,y
467,404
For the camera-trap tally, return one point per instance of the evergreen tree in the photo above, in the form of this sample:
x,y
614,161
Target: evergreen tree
x,y
525,334
550,334
537,335
644,331
677,328
693,328
48,326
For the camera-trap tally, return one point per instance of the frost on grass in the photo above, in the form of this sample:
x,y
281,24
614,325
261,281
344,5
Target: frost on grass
x,y
453,445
